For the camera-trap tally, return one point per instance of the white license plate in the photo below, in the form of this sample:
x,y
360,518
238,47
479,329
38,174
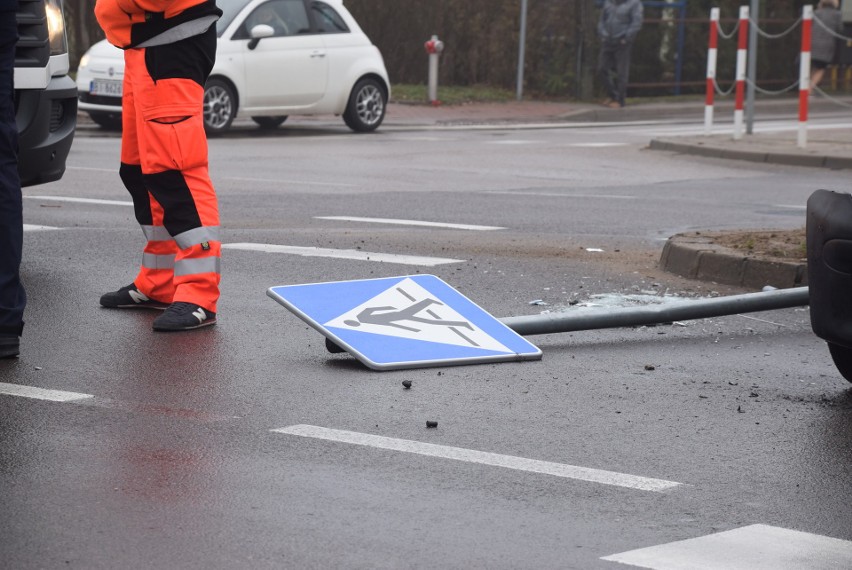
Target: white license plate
x,y
106,87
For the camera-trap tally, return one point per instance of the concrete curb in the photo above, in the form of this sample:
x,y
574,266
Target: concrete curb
x,y
697,257
817,159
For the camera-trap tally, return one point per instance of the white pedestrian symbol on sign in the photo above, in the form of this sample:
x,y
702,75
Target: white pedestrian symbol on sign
x,y
408,310
390,316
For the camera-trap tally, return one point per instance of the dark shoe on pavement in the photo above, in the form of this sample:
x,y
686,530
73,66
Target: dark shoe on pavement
x,y
184,317
130,298
10,346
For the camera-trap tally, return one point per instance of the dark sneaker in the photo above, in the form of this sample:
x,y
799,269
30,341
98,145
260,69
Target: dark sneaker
x,y
130,298
10,346
184,317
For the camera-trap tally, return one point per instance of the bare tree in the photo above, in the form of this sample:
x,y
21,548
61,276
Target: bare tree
x,y
82,28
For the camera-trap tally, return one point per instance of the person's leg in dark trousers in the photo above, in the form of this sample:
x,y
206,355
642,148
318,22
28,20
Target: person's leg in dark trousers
x,y
622,70
12,295
606,68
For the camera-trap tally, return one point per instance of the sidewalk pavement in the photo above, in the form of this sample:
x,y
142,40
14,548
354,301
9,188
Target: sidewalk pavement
x,y
825,148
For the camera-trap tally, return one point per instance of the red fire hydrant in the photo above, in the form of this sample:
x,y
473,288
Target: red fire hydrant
x,y
434,47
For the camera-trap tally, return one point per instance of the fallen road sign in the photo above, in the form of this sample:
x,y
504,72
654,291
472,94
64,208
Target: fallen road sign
x,y
395,323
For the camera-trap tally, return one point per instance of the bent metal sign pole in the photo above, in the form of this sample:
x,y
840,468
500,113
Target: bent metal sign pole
x,y
418,321
679,311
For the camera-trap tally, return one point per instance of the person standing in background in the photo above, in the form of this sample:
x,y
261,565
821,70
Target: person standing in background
x,y
618,26
828,25
13,298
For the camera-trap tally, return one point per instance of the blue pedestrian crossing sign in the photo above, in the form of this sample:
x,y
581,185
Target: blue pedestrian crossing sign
x,y
412,321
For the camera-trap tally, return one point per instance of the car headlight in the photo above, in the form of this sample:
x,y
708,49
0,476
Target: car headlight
x,y
56,27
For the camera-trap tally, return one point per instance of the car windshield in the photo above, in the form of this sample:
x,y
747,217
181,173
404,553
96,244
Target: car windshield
x,y
230,9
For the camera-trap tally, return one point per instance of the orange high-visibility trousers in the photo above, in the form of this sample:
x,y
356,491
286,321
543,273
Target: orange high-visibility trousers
x,y
164,167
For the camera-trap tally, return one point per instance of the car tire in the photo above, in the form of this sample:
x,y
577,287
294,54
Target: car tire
x,y
108,121
269,122
366,108
220,106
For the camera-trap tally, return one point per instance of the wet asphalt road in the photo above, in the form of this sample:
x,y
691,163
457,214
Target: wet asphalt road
x,y
166,458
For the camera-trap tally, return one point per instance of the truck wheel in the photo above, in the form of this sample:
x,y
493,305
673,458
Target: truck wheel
x,y
366,108
220,106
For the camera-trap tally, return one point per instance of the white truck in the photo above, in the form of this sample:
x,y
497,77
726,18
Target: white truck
x,y
45,96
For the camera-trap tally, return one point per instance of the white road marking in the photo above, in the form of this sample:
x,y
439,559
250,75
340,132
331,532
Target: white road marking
x,y
754,547
562,195
513,142
34,228
90,400
524,126
410,223
599,144
88,168
482,457
81,200
427,139
280,181
343,254
41,393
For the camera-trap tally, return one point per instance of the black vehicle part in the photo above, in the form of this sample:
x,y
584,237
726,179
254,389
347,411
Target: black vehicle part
x,y
46,120
842,357
829,246
33,47
107,120
269,122
46,114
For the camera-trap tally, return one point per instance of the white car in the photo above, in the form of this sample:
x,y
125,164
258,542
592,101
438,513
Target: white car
x,y
274,58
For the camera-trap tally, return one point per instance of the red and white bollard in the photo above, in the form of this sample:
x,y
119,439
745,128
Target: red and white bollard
x,y
712,51
434,47
742,56
805,74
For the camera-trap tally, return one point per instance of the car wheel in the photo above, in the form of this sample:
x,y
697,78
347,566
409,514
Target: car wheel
x,y
108,121
366,108
842,358
220,106
269,122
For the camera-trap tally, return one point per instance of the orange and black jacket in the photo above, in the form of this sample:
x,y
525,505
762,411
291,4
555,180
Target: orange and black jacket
x,y
145,23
